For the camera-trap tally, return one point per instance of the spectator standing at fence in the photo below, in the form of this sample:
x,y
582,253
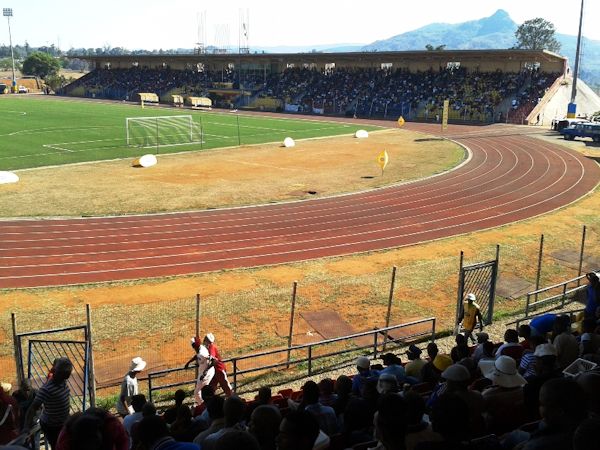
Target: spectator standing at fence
x,y
592,294
129,387
55,396
206,368
470,314
220,377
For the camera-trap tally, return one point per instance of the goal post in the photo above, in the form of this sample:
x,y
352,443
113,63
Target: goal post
x,y
161,131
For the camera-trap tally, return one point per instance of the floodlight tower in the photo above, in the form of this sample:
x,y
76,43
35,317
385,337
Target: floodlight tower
x,y
8,12
572,107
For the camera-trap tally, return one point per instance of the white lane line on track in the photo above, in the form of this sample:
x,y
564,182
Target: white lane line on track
x,y
278,244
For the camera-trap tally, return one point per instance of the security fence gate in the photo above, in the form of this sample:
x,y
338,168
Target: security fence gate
x,y
479,279
44,346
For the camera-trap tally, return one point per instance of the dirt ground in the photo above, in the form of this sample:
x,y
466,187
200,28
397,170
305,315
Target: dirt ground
x,y
246,175
248,309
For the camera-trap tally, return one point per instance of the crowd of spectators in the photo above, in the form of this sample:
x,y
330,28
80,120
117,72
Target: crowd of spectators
x,y
538,389
366,92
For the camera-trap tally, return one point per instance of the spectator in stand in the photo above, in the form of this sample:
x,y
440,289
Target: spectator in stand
x,y
55,396
563,408
418,430
390,422
200,412
93,429
461,349
233,410
527,364
503,401
325,415
387,383
237,440
545,369
358,420
214,406
449,418
264,426
137,403
129,386
543,324
457,382
511,346
327,396
9,415
24,397
206,368
171,414
343,390
220,377
363,367
478,352
415,364
525,333
441,363
299,430
428,373
567,347
263,397
469,316
586,435
153,434
589,339
592,294
393,365
184,429
590,383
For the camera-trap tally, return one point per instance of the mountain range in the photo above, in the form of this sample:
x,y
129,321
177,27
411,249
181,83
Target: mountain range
x,y
494,32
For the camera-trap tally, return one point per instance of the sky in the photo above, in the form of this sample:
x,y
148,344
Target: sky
x,y
166,24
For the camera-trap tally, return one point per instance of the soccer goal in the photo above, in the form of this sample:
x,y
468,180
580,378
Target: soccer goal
x,y
162,131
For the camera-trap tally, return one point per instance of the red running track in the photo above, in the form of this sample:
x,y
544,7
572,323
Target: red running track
x,y
509,176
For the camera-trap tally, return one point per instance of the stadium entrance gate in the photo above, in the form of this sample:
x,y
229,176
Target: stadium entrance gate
x,y
479,279
42,347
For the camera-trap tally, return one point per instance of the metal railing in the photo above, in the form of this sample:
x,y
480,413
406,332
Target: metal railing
x,y
564,297
310,357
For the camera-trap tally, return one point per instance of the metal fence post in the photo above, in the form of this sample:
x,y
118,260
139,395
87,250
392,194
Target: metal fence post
x,y
91,370
433,330
581,255
539,266
150,388
17,349
294,288
375,343
234,374
389,307
527,304
459,295
309,360
198,315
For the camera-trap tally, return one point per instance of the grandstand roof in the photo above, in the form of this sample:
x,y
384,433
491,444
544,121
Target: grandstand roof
x,y
499,58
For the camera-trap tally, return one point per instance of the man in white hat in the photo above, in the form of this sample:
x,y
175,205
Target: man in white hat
x,y
129,386
469,316
220,377
206,369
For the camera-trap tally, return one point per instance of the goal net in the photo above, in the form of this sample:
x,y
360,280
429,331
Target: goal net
x,y
161,131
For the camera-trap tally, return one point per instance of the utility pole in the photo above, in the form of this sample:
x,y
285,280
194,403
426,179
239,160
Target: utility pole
x,y
572,108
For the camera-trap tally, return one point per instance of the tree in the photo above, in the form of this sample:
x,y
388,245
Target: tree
x,y
41,65
431,48
537,34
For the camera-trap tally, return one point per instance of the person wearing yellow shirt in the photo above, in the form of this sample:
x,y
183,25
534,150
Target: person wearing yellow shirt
x,y
469,316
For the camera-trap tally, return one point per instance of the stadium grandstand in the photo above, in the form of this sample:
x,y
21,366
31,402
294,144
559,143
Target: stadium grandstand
x,y
482,86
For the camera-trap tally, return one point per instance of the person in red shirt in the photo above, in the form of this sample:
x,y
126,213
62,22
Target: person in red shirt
x,y
220,377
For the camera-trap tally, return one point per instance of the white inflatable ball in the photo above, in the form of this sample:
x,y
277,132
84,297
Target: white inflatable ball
x,y
8,177
288,142
361,134
145,161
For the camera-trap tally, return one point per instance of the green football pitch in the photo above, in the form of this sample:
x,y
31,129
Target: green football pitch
x,y
45,131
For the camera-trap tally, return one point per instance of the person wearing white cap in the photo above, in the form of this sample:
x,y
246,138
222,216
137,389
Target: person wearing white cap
x,y
504,400
129,386
220,377
470,314
206,369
